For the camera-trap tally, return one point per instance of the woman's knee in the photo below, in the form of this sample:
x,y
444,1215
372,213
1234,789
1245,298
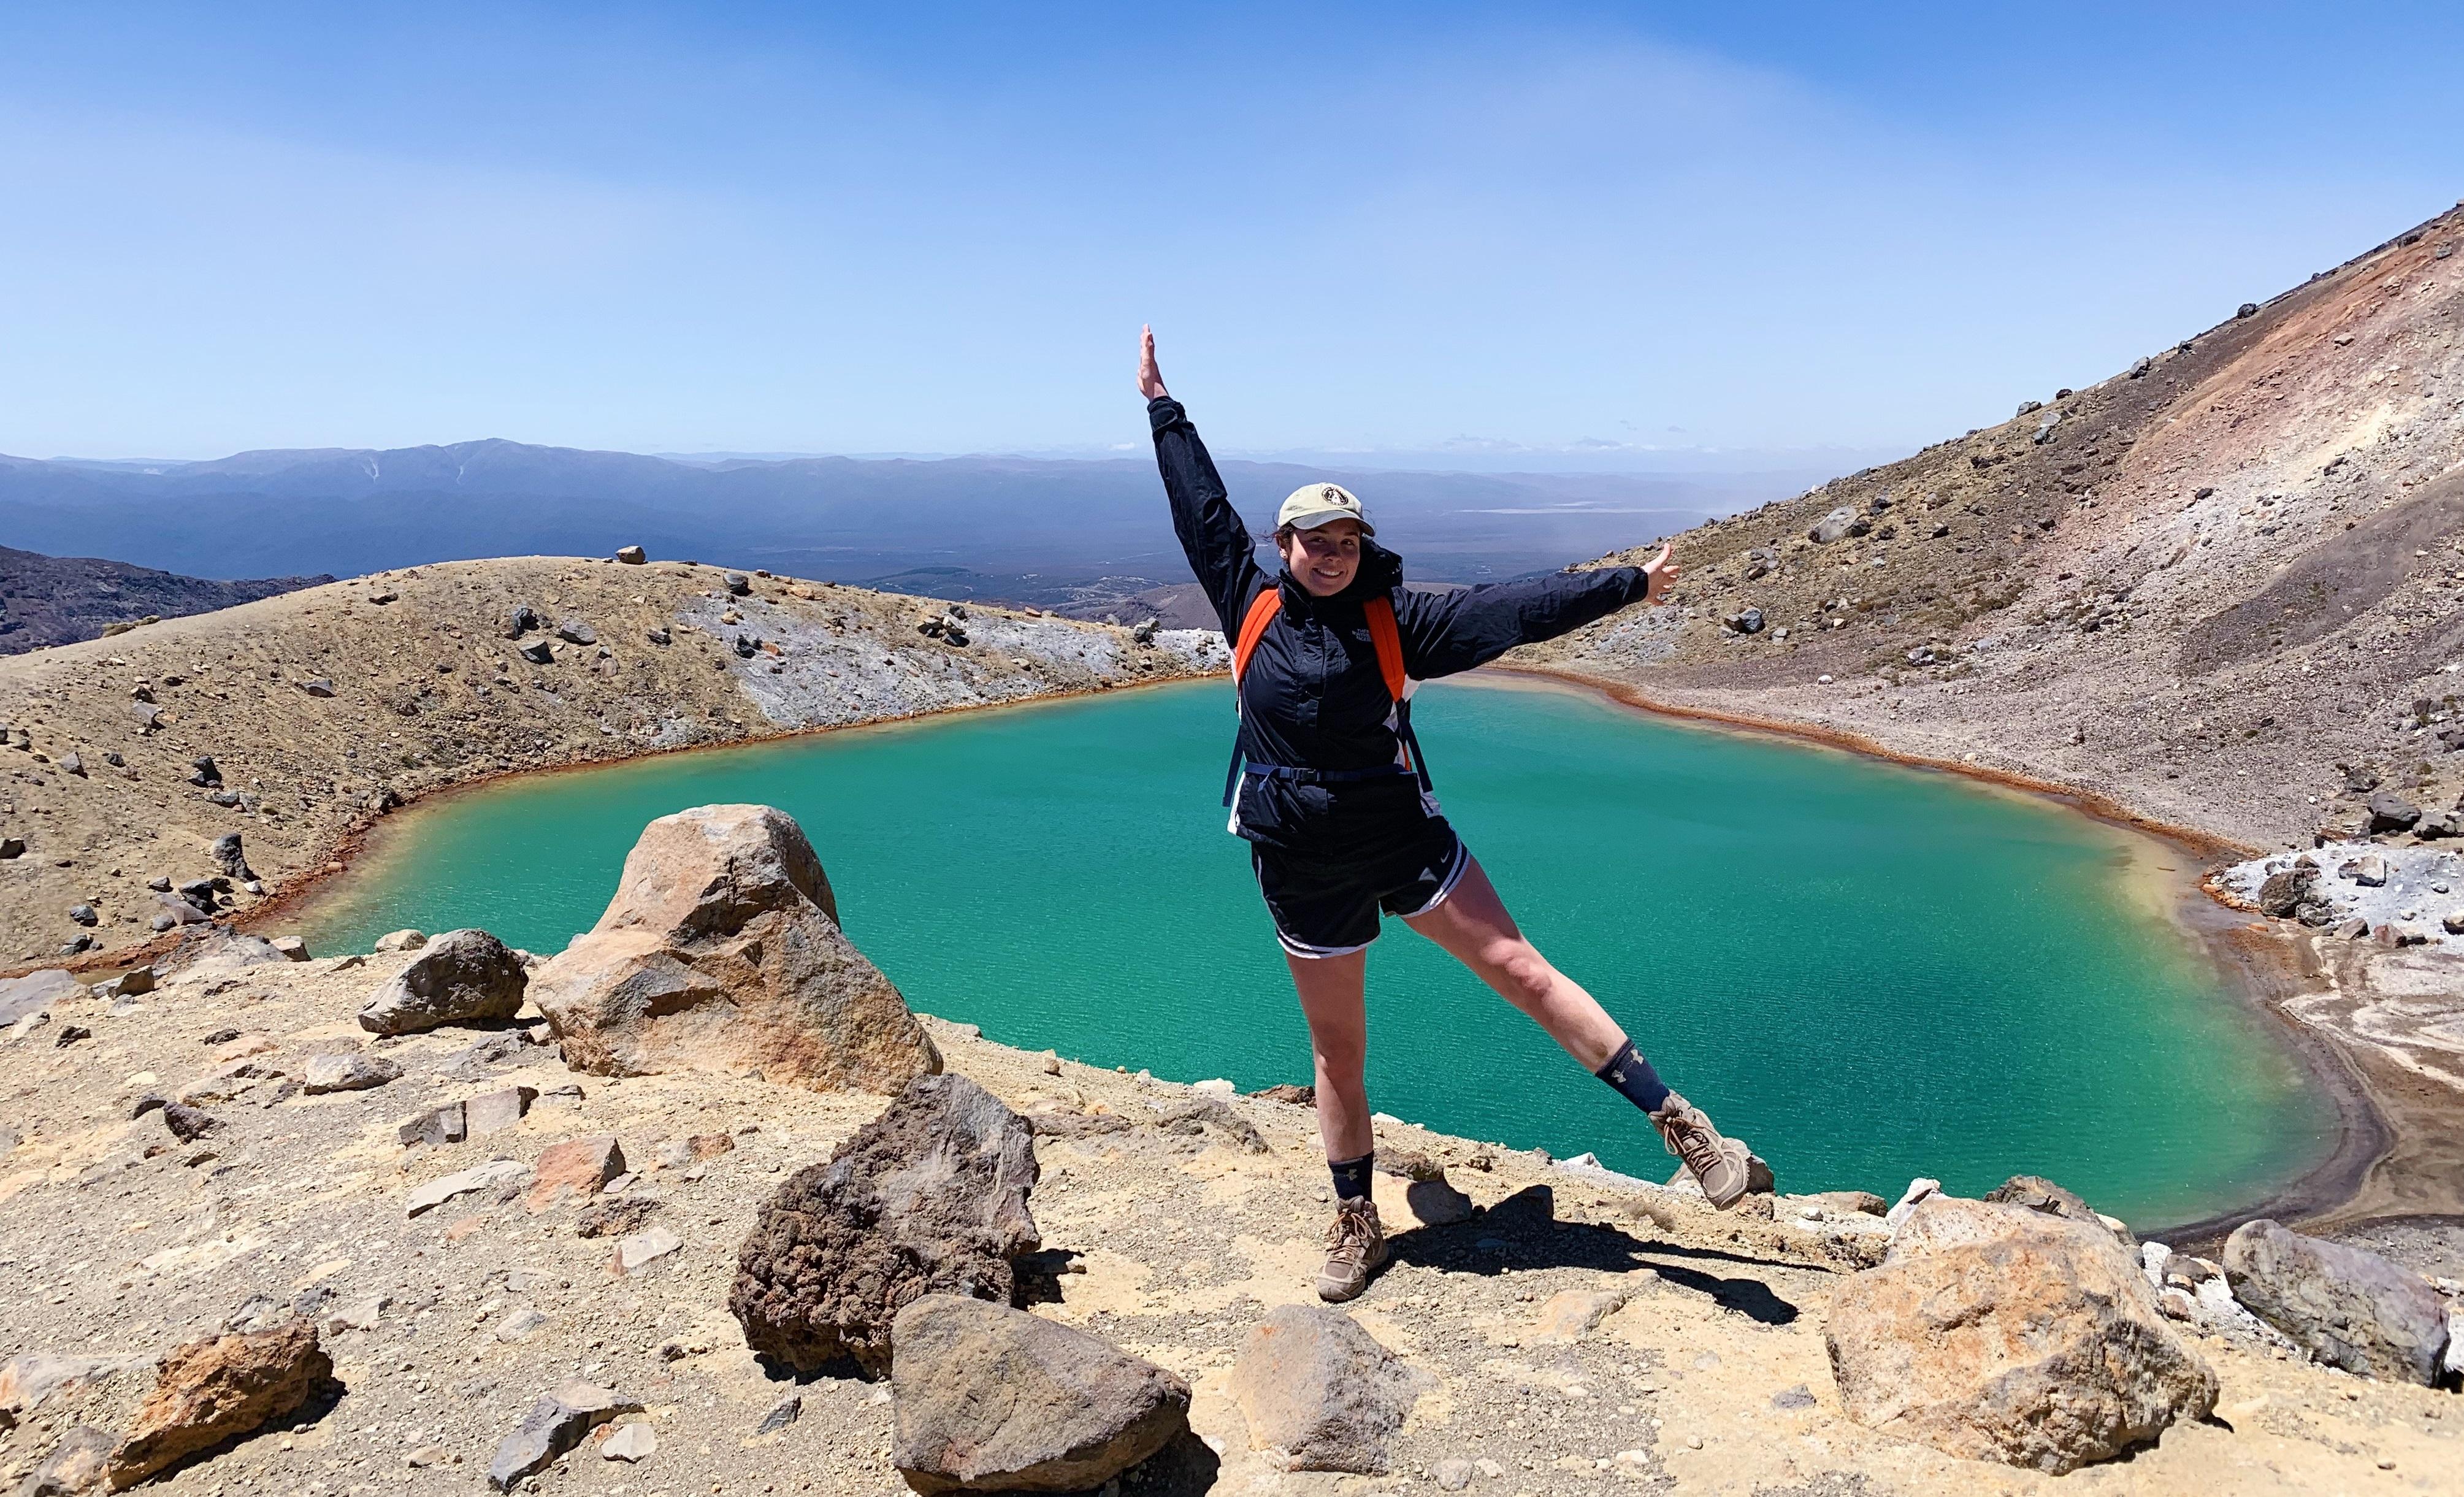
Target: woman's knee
x,y
1341,1061
1526,975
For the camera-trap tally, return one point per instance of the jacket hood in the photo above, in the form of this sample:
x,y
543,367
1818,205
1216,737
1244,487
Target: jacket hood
x,y
1381,572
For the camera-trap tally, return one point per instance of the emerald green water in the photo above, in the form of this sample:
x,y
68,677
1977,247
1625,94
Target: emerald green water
x,y
1868,971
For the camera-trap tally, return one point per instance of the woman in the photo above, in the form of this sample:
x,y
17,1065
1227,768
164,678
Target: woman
x,y
1328,788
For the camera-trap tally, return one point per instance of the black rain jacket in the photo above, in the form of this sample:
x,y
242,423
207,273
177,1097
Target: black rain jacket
x,y
1313,696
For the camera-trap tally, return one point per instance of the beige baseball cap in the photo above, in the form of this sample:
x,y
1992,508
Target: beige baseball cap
x,y
1315,504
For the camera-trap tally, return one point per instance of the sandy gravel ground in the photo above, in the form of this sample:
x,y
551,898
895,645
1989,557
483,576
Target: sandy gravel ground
x,y
1171,1238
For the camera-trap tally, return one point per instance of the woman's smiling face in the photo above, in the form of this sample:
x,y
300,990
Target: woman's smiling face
x,y
1325,560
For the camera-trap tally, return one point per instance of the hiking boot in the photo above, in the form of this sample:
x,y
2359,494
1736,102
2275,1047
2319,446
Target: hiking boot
x,y
1355,1248
1719,1165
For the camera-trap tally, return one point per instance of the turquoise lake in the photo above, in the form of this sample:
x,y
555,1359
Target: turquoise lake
x,y
1869,971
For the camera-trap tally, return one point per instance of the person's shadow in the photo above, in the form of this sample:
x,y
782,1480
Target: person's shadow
x,y
1521,1233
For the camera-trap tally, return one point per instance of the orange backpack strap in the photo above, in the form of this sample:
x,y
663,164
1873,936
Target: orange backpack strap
x,y
1389,641
1253,626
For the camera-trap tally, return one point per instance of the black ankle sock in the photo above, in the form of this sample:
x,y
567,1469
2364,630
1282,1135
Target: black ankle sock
x,y
1351,1176
1634,1078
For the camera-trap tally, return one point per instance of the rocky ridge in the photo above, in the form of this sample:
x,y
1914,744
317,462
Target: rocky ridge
x,y
207,764
2213,589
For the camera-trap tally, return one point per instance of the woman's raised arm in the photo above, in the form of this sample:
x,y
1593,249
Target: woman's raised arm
x,y
1220,552
1450,631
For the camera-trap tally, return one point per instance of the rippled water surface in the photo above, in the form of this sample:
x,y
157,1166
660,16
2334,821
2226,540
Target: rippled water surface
x,y
1868,971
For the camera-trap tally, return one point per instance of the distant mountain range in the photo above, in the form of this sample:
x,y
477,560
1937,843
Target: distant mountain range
x,y
55,600
1030,530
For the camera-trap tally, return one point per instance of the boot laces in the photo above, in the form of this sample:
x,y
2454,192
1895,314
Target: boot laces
x,y
1352,1234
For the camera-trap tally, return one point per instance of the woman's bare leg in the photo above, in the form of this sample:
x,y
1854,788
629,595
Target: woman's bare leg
x,y
1473,925
1331,990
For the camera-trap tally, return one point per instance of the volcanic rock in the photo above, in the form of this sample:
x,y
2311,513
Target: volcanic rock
x,y
2286,891
36,992
2392,812
438,1125
76,1463
1832,526
463,1182
554,1426
1319,1389
930,1197
2040,1194
347,1072
573,1171
217,1388
2350,1307
1996,1333
457,978
991,1398
722,951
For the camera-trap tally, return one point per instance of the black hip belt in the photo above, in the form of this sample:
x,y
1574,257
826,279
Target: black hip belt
x,y
1323,777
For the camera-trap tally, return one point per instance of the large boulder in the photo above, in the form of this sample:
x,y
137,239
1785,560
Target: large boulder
x,y
722,951
990,1399
1321,1390
930,1197
218,1387
461,977
1996,1333
2349,1307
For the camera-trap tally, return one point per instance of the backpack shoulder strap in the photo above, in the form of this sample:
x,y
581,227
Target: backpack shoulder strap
x,y
1389,640
1263,609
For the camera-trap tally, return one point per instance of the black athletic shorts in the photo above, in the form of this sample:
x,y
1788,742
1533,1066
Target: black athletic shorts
x,y
1325,906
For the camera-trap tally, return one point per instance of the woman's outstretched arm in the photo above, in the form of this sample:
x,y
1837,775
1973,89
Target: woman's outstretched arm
x,y
1450,631
1217,546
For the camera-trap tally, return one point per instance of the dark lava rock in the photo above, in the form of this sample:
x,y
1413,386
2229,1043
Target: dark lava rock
x,y
632,556
930,1197
990,1399
227,857
574,631
539,652
457,978
658,636
523,620
187,1123
203,772
2392,812
554,1426
739,583
2349,1307
2283,893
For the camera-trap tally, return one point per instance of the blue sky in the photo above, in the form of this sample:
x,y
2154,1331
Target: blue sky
x,y
1531,236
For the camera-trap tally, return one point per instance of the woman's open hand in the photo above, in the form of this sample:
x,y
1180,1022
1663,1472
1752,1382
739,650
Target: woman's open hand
x,y
1150,378
1657,575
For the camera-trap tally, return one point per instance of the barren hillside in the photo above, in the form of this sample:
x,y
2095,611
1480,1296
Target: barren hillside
x,y
320,710
2197,590
59,599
